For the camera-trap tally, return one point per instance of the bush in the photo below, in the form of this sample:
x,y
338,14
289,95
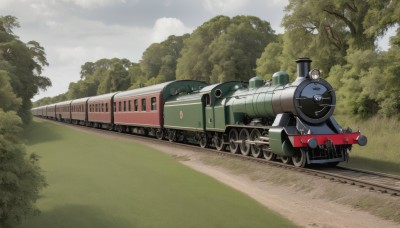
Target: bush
x,y
21,178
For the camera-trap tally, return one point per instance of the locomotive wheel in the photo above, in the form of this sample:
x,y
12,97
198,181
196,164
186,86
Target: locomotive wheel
x,y
299,159
160,134
269,156
256,150
203,140
219,142
244,147
233,137
286,160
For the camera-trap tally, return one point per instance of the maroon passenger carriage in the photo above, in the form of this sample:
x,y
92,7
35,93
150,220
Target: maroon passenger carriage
x,y
78,111
50,111
100,111
63,111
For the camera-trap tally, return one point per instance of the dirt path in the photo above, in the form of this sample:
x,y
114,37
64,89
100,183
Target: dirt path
x,y
305,200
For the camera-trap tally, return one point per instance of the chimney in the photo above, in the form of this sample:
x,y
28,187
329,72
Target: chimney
x,y
303,67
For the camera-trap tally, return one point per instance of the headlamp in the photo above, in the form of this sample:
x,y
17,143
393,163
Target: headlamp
x,y
315,74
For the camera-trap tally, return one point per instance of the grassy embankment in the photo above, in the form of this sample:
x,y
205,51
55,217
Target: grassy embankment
x,y
95,181
382,152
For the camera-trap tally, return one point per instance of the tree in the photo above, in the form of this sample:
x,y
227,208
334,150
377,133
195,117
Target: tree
x,y
23,64
160,59
194,61
9,101
120,79
327,30
269,62
21,178
224,49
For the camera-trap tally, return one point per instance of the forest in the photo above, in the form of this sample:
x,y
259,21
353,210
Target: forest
x,y
339,36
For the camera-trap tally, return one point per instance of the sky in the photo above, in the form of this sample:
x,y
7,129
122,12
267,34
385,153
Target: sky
x,y
77,31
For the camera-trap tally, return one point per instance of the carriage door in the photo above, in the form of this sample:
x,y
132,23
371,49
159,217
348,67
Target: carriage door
x,y
209,110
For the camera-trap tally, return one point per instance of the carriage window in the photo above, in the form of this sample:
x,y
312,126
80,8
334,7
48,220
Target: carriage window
x,y
106,107
153,104
119,106
96,107
144,104
136,105
124,106
102,107
115,106
129,105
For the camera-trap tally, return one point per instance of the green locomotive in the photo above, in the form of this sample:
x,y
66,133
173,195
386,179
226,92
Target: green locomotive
x,y
270,119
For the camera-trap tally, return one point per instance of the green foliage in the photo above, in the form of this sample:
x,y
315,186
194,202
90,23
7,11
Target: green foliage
x,y
23,64
368,84
325,31
224,49
269,62
9,100
159,59
21,178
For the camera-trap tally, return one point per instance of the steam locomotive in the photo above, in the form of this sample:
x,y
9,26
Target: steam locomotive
x,y
272,119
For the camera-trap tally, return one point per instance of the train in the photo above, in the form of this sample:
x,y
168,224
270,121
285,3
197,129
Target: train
x,y
270,119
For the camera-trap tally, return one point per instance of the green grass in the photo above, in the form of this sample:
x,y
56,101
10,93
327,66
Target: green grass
x,y
97,181
382,152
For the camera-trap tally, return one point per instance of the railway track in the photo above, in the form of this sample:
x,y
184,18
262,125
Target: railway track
x,y
374,181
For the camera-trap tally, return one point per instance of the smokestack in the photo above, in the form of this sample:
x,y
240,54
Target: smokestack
x,y
303,67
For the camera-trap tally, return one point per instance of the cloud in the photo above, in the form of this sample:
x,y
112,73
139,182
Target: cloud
x,y
224,6
94,3
164,27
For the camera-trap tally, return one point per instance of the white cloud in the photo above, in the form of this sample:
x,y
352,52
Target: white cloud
x,y
94,3
164,27
224,6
